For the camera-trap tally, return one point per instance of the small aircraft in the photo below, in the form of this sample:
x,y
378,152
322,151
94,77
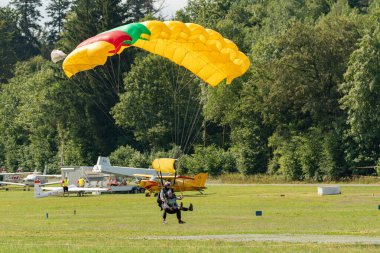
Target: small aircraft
x,y
10,177
30,178
51,191
153,184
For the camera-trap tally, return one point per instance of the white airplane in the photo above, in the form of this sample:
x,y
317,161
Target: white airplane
x,y
11,177
30,178
51,191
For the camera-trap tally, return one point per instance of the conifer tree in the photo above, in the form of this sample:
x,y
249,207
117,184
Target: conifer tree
x,y
56,10
28,17
10,35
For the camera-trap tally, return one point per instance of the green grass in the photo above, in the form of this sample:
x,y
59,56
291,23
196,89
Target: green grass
x,y
119,222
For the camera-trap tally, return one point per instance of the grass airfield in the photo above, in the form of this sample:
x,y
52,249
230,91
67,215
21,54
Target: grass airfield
x,y
133,223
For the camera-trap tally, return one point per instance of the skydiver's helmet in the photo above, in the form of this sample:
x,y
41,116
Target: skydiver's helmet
x,y
167,184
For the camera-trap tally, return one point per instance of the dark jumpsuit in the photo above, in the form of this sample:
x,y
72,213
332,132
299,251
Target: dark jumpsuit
x,y
171,206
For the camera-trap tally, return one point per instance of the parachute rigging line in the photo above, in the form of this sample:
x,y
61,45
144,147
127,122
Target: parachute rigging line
x,y
204,52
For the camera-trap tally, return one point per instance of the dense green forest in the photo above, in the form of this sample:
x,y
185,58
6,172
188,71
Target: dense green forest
x,y
307,108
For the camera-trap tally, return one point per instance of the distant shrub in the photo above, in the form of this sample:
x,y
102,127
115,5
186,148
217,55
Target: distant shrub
x,y
125,156
312,156
250,160
209,159
285,161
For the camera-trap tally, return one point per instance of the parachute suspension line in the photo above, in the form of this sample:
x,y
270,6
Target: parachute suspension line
x,y
163,67
94,76
175,177
179,87
106,73
179,99
180,76
185,120
112,81
109,80
174,94
177,81
97,77
176,116
112,74
177,84
204,125
183,138
114,71
101,80
184,135
194,121
189,82
177,90
88,91
122,131
118,75
176,101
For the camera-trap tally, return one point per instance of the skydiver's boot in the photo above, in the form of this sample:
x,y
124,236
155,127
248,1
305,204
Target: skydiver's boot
x,y
183,208
191,207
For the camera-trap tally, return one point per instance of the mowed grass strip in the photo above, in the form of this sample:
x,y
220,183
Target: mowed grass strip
x,y
122,221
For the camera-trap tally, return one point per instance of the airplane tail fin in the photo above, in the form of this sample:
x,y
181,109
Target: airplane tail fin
x,y
105,161
102,161
37,189
39,193
200,179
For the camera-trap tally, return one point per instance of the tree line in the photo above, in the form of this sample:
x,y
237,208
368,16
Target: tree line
x,y
306,109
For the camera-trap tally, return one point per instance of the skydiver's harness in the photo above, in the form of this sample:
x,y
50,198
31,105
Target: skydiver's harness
x,y
169,199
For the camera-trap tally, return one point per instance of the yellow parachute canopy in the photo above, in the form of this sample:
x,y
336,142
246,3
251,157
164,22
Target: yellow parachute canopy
x,y
164,165
202,51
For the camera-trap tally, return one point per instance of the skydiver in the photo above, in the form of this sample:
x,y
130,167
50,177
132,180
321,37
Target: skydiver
x,y
169,203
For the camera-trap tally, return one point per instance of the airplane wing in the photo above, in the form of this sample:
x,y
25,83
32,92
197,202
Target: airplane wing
x,y
73,188
88,189
57,190
177,177
51,176
164,177
51,188
11,183
143,175
15,173
185,177
22,184
50,183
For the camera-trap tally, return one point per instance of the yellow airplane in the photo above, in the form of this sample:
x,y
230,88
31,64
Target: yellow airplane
x,y
153,184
